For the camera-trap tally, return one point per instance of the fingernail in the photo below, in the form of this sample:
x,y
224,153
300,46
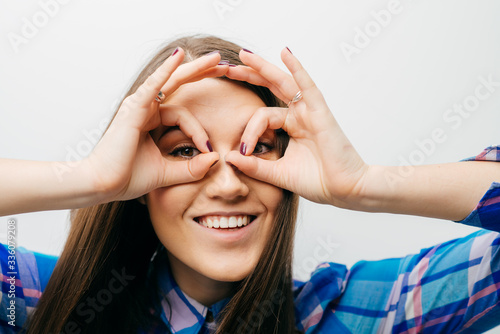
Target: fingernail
x,y
232,65
243,148
175,51
223,62
212,53
209,146
289,50
246,50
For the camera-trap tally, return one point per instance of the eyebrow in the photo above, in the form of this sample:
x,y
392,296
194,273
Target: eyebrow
x,y
169,129
272,134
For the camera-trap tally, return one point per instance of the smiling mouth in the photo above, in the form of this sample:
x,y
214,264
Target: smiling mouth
x,y
225,222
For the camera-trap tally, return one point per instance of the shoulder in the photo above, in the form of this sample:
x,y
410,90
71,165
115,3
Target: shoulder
x,y
24,276
312,297
374,294
36,264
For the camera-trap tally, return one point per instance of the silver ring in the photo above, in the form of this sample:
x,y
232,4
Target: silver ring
x,y
296,98
160,97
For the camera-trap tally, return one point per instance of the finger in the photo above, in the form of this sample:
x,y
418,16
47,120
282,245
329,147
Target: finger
x,y
189,170
213,72
260,169
148,91
179,116
262,120
190,70
248,74
137,109
283,81
310,92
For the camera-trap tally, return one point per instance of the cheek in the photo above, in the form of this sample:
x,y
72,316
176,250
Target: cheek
x,y
166,208
270,196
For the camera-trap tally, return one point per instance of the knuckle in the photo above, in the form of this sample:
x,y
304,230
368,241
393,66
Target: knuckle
x,y
260,115
139,94
261,120
151,82
129,101
191,169
179,118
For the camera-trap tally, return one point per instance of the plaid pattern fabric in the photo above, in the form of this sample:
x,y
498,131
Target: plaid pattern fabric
x,y
443,289
180,313
449,288
491,153
20,288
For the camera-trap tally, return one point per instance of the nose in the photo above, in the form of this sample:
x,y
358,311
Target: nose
x,y
225,182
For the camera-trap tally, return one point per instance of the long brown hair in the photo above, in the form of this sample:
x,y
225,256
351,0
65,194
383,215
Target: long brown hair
x,y
99,282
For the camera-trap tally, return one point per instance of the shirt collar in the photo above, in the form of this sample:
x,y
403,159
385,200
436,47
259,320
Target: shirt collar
x,y
181,313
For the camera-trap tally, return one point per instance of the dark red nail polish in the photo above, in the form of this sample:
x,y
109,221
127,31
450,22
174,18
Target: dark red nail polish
x,y
232,65
209,146
212,53
289,50
175,51
243,148
216,161
246,50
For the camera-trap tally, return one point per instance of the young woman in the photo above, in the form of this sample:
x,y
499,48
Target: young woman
x,y
185,211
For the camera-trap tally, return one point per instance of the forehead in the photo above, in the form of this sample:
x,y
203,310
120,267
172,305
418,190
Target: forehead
x,y
218,104
209,93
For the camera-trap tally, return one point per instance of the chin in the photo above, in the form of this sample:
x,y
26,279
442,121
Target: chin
x,y
229,272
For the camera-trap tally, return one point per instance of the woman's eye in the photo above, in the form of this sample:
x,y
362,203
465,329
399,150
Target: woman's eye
x,y
186,152
261,148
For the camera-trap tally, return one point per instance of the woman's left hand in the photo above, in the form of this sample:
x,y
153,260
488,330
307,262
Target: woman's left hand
x,y
319,164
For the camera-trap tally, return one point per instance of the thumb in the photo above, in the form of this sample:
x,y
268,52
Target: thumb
x,y
260,169
190,170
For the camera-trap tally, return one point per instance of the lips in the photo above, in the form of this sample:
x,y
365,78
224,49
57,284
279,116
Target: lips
x,y
225,222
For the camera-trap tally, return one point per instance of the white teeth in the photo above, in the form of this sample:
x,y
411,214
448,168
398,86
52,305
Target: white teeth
x,y
224,222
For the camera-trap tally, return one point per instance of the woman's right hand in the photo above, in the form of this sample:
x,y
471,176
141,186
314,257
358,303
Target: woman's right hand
x,y
126,163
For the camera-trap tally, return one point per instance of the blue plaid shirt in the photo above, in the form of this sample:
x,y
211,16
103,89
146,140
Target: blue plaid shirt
x,y
452,287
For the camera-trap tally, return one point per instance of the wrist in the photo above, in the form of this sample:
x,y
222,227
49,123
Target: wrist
x,y
94,186
371,192
354,195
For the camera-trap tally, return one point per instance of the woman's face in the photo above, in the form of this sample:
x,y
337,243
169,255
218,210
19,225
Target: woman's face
x,y
182,214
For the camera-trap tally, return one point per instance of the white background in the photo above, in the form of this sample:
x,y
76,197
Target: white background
x,y
68,74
